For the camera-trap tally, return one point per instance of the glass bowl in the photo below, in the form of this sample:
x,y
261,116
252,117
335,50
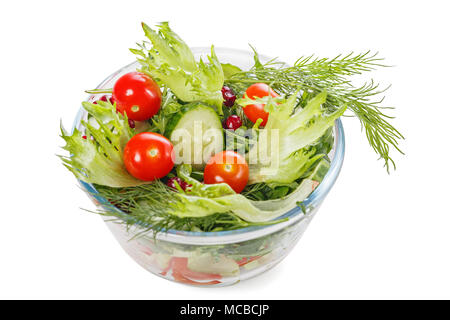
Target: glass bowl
x,y
225,257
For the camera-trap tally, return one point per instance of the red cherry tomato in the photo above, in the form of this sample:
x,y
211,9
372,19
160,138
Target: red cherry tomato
x,y
228,167
256,111
148,156
138,95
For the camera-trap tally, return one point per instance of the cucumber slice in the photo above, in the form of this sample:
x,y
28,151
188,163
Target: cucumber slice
x,y
196,133
320,170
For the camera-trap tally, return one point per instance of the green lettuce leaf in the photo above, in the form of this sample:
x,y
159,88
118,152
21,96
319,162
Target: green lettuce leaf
x,y
99,159
229,70
294,131
171,62
204,200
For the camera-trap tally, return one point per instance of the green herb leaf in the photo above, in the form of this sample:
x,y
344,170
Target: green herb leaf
x,y
314,75
152,207
229,70
171,62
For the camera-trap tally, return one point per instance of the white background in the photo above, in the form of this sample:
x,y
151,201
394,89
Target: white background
x,y
376,235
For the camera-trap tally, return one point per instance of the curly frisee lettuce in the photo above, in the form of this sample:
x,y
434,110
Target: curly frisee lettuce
x,y
170,61
99,159
289,135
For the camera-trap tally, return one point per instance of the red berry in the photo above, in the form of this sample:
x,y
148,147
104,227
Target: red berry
x,y
105,98
181,183
228,96
131,123
226,89
233,122
91,137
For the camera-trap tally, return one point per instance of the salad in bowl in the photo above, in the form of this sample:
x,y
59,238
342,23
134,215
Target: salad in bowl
x,y
208,164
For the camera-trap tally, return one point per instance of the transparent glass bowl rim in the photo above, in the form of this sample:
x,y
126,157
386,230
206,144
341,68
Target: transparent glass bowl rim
x,y
222,237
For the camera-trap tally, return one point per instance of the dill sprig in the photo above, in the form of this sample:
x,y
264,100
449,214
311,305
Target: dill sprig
x,y
149,206
314,75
